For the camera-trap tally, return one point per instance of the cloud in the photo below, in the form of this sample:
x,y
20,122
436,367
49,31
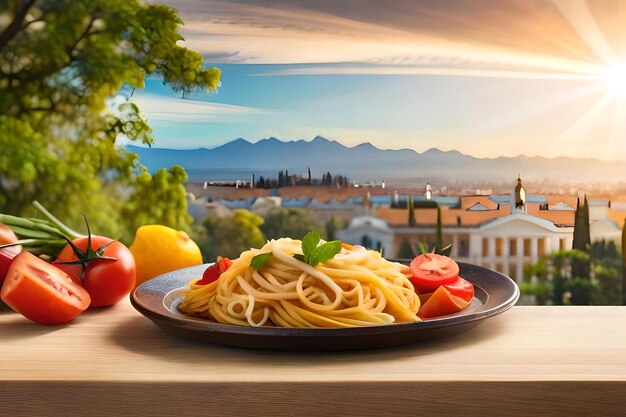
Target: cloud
x,y
164,108
549,35
427,70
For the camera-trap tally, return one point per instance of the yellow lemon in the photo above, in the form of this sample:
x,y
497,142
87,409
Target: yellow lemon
x,y
159,249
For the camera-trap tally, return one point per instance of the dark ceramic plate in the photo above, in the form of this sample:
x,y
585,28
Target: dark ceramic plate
x,y
158,299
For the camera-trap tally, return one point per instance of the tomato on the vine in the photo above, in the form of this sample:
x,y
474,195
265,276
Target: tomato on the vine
x,y
107,280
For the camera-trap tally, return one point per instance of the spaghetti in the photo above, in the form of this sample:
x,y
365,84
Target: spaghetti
x,y
358,287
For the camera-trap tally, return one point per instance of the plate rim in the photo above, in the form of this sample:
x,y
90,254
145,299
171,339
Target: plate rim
x,y
166,316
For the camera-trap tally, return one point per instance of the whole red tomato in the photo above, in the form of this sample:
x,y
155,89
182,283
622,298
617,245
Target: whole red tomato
x,y
106,280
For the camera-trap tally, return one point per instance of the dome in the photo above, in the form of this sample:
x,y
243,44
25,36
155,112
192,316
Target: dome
x,y
369,222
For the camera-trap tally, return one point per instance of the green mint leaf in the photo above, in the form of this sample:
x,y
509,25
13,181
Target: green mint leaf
x,y
325,252
299,257
260,260
309,245
314,259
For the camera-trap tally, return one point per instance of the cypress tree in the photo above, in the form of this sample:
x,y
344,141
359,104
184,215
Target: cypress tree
x,y
577,226
582,235
309,180
624,263
438,234
405,251
580,285
586,227
410,207
330,229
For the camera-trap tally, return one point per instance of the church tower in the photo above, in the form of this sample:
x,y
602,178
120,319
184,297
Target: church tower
x,y
518,198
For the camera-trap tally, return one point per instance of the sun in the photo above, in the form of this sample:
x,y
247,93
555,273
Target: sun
x,y
614,78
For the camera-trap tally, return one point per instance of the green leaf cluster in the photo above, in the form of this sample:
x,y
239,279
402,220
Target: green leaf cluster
x,y
61,63
313,253
229,236
554,280
289,222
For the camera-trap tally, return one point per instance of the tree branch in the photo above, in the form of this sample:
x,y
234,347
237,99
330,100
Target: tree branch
x,y
30,22
83,35
15,26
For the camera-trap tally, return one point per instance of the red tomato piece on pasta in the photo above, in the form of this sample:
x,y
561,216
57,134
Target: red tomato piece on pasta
x,y
213,272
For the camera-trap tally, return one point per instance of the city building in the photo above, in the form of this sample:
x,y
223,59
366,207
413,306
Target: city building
x,y
501,232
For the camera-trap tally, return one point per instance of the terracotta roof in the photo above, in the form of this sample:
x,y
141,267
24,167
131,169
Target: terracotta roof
x,y
558,217
617,216
449,216
569,200
470,200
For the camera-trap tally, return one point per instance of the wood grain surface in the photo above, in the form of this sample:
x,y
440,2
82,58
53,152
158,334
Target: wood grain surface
x,y
113,361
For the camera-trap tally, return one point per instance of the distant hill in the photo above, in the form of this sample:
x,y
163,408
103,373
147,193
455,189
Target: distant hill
x,y
239,159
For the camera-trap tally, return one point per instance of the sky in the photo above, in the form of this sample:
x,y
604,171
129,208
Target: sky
x,y
487,78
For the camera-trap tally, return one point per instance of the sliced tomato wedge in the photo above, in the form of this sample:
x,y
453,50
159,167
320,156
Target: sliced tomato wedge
x,y
7,254
430,271
41,292
213,272
441,303
6,258
461,288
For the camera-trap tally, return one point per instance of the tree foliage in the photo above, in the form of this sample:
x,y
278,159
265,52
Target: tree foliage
x,y
334,224
405,251
553,279
229,236
411,210
290,222
582,239
61,61
624,262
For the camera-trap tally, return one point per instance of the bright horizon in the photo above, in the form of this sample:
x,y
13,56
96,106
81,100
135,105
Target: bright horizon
x,y
546,78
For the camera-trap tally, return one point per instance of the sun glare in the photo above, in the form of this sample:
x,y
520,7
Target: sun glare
x,y
614,78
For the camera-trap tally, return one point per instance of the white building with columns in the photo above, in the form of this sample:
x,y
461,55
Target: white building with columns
x,y
501,232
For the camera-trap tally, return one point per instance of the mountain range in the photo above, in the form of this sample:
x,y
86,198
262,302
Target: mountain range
x,y
239,159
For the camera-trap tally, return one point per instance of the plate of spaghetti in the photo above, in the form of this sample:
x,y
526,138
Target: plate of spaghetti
x,y
316,295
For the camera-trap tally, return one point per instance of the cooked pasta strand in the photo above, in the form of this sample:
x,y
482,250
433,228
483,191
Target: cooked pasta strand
x,y
358,287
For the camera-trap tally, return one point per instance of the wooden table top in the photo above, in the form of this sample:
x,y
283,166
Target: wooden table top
x,y
567,359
